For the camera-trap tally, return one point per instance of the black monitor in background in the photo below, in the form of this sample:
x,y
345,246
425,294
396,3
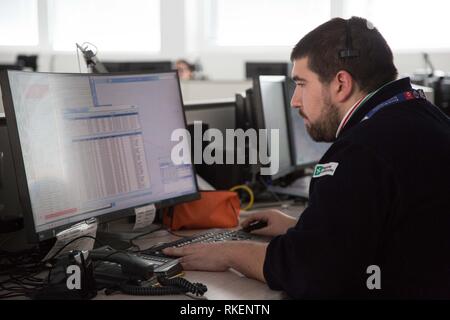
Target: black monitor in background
x,y
255,69
10,67
220,115
297,151
440,84
27,62
11,218
305,151
249,112
242,120
270,112
441,88
244,110
445,96
138,66
89,146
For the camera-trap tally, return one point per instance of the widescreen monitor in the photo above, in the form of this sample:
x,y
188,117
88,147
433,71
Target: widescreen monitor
x,y
87,145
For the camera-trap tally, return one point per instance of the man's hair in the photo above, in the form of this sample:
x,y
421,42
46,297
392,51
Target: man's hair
x,y
190,66
353,45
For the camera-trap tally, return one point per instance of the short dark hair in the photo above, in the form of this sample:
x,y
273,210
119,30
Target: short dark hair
x,y
190,66
368,59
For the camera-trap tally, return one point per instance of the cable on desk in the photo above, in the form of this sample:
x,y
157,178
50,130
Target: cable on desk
x,y
197,288
168,286
21,269
277,198
250,193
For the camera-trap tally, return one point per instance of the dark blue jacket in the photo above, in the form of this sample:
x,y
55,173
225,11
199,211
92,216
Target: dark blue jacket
x,y
387,204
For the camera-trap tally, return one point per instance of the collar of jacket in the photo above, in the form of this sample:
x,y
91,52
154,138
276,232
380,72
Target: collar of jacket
x,y
383,94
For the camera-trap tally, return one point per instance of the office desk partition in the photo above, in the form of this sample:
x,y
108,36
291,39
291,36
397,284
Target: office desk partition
x,y
195,90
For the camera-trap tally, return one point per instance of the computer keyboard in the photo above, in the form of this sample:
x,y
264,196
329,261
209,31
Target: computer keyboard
x,y
208,237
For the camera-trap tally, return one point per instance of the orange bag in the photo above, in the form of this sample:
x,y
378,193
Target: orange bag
x,y
215,209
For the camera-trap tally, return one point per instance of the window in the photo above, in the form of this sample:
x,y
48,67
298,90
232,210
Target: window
x,y
111,25
19,23
406,24
264,22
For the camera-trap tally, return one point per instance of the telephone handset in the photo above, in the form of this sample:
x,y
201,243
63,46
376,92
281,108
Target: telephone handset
x,y
134,274
130,264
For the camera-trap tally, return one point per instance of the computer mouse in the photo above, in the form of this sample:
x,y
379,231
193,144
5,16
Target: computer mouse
x,y
257,224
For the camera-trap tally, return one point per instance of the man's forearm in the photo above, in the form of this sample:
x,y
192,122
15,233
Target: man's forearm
x,y
247,258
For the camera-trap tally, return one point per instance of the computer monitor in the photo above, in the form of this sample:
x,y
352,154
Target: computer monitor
x,y
202,90
10,67
138,66
218,114
27,62
11,218
249,112
255,69
429,91
271,113
242,120
88,145
221,115
445,95
305,151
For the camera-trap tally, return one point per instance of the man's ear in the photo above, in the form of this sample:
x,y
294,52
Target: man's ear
x,y
343,86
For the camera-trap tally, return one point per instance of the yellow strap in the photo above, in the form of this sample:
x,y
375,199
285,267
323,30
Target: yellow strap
x,y
249,191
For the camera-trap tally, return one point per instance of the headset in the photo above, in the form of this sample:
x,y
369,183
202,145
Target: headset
x,y
348,52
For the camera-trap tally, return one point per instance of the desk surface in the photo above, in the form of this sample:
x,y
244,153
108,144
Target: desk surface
x,y
228,285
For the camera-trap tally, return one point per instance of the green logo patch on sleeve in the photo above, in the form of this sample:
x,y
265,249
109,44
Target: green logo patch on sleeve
x,y
325,169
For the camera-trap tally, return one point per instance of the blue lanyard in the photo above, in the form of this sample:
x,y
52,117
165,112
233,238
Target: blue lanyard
x,y
404,96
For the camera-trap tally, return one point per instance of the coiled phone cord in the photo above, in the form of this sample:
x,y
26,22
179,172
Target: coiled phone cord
x,y
169,286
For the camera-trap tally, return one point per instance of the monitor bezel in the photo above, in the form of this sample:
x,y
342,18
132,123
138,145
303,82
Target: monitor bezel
x,y
34,236
209,104
212,105
282,68
120,63
260,121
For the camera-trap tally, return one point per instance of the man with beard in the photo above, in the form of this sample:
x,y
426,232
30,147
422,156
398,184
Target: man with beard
x,y
378,220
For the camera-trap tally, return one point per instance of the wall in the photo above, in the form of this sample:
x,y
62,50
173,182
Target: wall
x,y
219,66
183,35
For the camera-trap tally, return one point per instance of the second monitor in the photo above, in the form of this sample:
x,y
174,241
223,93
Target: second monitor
x,y
272,110
270,113
220,115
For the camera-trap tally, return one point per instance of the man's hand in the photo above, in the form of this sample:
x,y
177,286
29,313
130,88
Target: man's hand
x,y
244,256
277,222
202,256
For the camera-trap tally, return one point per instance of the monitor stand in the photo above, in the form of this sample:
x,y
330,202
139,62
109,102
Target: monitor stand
x,y
119,234
298,188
